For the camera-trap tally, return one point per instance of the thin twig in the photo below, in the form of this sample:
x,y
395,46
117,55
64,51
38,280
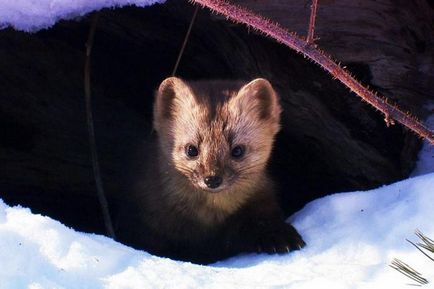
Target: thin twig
x,y
391,112
92,142
311,31
187,35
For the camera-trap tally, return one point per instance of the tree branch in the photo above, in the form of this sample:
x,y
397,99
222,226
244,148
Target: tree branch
x,y
309,50
311,30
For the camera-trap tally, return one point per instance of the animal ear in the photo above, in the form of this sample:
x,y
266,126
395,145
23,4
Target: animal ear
x,y
171,96
259,97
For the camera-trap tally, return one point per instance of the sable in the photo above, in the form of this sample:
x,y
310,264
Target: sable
x,y
206,194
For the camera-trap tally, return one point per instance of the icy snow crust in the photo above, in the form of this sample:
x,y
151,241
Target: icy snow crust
x,y
351,237
32,15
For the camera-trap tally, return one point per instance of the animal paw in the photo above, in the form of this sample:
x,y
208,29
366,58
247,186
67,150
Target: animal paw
x,y
279,238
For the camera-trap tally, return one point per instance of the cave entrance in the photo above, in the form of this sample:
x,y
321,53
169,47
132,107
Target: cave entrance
x,y
329,140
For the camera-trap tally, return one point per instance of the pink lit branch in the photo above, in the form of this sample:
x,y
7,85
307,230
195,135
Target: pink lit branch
x,y
311,31
308,49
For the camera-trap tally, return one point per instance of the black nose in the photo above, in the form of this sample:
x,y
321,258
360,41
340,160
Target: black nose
x,y
213,182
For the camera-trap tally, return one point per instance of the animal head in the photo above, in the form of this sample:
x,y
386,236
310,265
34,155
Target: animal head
x,y
217,134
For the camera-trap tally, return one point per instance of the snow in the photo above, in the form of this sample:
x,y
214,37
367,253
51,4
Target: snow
x,y
352,237
426,154
32,15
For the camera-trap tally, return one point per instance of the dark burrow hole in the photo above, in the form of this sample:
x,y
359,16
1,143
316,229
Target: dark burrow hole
x,y
330,141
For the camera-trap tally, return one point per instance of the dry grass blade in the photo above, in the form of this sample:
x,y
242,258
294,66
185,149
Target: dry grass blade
x,y
184,43
417,246
91,131
406,270
428,244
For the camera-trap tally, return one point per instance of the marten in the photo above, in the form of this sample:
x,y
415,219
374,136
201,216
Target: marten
x,y
206,194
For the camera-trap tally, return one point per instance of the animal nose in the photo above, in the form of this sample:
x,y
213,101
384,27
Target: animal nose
x,y
213,182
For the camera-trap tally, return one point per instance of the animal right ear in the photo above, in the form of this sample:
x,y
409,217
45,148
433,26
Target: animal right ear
x,y
172,94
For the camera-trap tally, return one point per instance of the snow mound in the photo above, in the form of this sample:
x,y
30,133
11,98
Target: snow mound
x,y
425,163
351,237
34,15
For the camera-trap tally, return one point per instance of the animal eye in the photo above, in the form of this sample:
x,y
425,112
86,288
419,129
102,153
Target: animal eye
x,y
237,152
191,151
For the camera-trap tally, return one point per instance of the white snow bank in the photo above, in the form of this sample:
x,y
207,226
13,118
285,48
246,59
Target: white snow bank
x,y
351,237
32,15
425,163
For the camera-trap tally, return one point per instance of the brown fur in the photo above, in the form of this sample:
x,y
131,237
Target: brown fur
x,y
178,214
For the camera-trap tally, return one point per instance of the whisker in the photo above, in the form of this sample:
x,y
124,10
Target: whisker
x,y
184,169
252,166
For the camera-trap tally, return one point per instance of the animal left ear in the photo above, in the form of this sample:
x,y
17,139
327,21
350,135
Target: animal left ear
x,y
258,96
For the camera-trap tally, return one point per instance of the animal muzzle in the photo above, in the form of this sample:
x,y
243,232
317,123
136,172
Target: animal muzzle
x,y
213,182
